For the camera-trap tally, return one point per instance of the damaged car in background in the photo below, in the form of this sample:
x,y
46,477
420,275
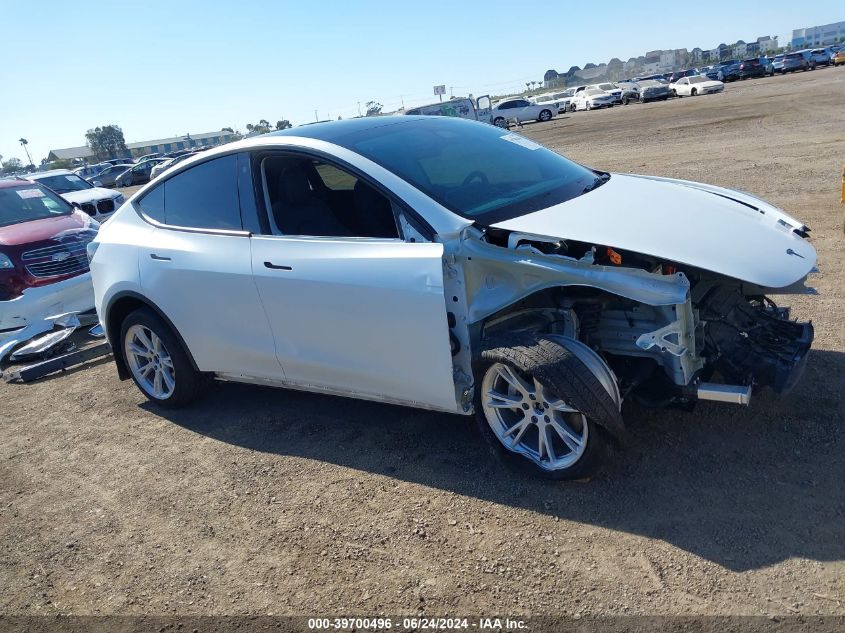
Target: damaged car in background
x,y
45,284
98,202
449,265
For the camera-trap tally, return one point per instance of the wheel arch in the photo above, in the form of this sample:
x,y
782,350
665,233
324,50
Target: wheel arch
x,y
119,307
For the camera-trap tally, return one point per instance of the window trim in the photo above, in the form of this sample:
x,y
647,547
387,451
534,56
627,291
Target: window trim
x,y
258,155
193,229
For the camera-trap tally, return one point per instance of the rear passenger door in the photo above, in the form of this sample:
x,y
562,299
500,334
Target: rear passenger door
x,y
197,268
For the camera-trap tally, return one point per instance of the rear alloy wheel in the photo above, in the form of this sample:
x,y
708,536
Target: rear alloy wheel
x,y
545,115
157,362
537,405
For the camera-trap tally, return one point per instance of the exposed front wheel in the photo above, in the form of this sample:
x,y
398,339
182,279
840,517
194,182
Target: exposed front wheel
x,y
157,362
538,406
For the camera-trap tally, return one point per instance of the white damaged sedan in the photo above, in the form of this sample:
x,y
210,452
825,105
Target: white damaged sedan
x,y
696,85
451,265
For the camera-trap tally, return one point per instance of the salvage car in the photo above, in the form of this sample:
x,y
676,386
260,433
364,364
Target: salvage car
x,y
43,265
108,176
652,90
97,202
450,265
698,85
139,173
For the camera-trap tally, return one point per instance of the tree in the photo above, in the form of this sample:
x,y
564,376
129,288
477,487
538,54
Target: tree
x,y
373,108
11,166
228,129
106,142
24,144
262,127
283,124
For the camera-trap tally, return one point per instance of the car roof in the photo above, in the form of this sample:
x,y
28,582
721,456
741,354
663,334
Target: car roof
x,y
332,130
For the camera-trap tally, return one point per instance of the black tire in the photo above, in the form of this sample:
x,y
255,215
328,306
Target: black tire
x,y
624,99
563,373
190,383
545,115
693,92
499,122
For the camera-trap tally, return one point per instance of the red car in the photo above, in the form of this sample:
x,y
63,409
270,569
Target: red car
x,y
43,261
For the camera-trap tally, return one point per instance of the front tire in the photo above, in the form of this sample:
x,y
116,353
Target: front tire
x,y
536,408
157,362
693,92
500,122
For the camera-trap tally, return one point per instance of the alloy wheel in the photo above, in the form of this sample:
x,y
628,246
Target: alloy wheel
x,y
530,420
150,362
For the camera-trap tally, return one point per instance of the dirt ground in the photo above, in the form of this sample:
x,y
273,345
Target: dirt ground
x,y
262,501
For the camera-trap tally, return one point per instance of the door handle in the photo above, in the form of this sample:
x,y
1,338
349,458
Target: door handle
x,y
159,258
276,267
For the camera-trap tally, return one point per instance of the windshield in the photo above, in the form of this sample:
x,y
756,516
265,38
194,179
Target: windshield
x,y
30,202
475,170
697,80
65,183
592,92
606,86
650,83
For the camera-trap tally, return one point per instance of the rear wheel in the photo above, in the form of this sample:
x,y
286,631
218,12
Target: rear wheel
x,y
693,92
157,362
537,405
545,115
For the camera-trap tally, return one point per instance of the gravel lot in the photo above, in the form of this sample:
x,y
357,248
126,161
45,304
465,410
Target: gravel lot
x,y
262,501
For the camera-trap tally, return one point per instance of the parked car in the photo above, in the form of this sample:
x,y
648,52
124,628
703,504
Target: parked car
x,y
630,92
147,157
713,72
730,70
822,56
611,89
680,74
652,90
496,278
553,99
97,202
839,57
751,67
88,171
162,166
522,110
767,65
692,86
791,62
592,99
138,174
43,265
119,161
108,176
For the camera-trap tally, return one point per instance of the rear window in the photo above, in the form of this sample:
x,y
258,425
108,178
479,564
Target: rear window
x,y
30,202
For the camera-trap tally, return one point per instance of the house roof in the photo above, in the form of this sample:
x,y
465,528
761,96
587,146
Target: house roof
x,y
84,152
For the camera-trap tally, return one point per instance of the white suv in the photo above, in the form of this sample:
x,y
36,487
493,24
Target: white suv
x,y
447,264
98,202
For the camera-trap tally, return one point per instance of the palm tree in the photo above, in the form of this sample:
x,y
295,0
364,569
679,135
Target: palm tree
x,y
24,143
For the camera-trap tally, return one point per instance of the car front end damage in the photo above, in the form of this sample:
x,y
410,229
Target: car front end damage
x,y
671,332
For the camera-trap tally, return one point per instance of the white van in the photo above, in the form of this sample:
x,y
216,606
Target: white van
x,y
465,108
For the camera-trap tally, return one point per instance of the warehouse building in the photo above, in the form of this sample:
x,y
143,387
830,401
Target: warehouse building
x,y
158,146
818,35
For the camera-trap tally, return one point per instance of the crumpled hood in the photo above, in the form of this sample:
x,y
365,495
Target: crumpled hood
x,y
90,195
716,229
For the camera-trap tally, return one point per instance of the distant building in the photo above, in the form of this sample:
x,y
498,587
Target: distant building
x,y
159,146
818,35
767,44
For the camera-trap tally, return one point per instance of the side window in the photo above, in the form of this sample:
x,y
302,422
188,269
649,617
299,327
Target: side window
x,y
152,204
305,196
205,196
507,105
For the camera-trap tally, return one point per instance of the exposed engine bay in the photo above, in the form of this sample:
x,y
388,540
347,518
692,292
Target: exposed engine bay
x,y
665,329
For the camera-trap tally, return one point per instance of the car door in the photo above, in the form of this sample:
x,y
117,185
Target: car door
x,y
196,267
350,314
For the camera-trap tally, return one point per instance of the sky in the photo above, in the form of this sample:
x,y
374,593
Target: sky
x,y
166,68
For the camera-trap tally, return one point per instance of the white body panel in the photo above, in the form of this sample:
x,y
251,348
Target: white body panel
x,y
683,222
683,87
203,283
359,316
29,311
529,112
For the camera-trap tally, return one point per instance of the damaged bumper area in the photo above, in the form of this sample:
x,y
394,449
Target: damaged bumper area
x,y
28,315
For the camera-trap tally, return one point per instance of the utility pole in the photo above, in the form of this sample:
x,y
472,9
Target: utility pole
x,y
359,108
